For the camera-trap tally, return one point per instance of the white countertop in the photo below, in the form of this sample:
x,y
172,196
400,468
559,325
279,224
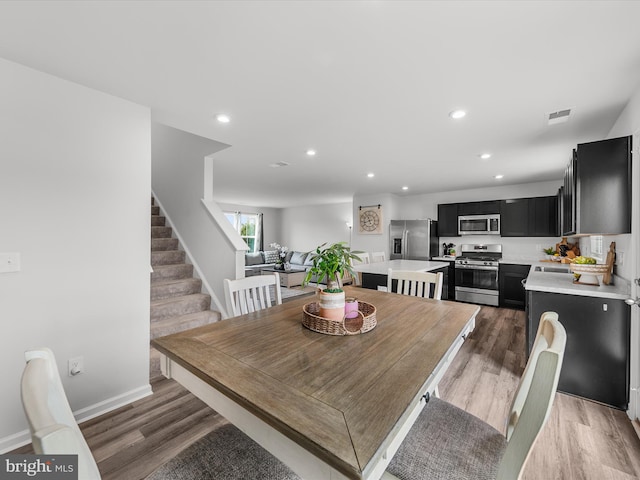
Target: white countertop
x,y
563,283
520,260
382,268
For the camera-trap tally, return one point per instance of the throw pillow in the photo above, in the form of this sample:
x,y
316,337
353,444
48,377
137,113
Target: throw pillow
x,y
297,258
270,256
253,259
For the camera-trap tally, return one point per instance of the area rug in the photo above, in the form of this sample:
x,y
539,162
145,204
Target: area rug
x,y
224,454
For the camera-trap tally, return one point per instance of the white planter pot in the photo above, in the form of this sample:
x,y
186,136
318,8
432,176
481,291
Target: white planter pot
x,y
331,305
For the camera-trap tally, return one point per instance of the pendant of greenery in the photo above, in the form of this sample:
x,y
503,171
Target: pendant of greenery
x,y
331,262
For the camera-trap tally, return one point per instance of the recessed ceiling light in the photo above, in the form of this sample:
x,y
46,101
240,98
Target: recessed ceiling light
x,y
311,152
223,118
498,177
405,188
485,156
370,175
457,114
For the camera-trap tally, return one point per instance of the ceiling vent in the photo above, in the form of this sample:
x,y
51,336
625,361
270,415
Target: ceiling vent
x,y
561,116
279,164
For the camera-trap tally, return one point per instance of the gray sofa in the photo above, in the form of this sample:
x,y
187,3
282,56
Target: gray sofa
x,y
255,262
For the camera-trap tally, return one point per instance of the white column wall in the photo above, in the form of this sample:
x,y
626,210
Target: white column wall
x,y
75,178
178,181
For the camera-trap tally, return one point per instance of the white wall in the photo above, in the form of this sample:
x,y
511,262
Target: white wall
x,y
178,182
389,204
304,228
629,124
74,201
271,220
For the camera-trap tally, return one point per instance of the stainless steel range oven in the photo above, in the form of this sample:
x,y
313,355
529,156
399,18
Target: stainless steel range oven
x,y
477,274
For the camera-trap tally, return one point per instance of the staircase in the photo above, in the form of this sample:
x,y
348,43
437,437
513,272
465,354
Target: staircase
x,y
177,301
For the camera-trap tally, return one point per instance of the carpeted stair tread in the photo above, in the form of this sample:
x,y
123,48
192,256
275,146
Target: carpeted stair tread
x,y
180,323
171,272
161,232
178,306
158,221
175,288
177,301
167,257
161,244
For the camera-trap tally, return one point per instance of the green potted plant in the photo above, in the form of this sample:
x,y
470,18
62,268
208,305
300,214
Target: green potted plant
x,y
330,263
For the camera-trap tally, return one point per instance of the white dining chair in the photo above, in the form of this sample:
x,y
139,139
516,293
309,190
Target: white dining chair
x,y
251,294
53,427
364,259
448,443
417,284
377,257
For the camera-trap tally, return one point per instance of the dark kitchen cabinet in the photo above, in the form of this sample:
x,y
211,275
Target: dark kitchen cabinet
x,y
529,217
479,208
448,281
596,359
512,292
448,220
603,186
568,220
543,217
514,217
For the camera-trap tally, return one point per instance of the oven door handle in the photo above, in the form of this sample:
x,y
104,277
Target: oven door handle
x,y
477,267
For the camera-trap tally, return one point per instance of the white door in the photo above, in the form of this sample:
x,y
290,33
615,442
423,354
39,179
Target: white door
x,y
634,400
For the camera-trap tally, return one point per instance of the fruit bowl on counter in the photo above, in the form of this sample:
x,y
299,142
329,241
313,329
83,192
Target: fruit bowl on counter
x,y
586,271
597,269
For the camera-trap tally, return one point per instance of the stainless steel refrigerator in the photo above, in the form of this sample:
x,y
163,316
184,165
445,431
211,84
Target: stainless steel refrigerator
x,y
413,239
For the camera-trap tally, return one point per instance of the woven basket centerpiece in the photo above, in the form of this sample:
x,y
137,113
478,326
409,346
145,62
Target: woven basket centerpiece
x,y
364,321
598,269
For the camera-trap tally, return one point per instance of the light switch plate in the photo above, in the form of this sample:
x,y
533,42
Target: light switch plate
x,y
9,262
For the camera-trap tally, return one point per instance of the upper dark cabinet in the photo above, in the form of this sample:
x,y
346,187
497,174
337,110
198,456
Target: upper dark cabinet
x,y
448,220
514,217
529,217
568,220
479,208
603,187
543,217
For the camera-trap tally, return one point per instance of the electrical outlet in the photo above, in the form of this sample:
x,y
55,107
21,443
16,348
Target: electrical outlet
x,y
619,258
76,366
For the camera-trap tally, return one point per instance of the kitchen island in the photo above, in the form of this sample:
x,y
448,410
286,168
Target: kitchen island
x,y
374,275
597,321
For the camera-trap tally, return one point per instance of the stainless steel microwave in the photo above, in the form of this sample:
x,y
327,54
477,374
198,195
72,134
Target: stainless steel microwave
x,y
479,225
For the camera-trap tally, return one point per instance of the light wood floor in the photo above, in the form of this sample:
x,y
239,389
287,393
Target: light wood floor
x,y
582,440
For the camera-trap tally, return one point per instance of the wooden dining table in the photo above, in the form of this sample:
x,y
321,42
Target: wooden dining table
x,y
330,407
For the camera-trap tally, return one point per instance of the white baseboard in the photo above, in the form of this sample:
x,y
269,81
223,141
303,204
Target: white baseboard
x,y
634,404
11,442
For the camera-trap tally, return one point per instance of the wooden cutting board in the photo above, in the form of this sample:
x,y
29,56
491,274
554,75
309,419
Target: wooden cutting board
x,y
611,258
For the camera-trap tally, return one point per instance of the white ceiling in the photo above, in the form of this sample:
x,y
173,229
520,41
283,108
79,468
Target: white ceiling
x,y
368,84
